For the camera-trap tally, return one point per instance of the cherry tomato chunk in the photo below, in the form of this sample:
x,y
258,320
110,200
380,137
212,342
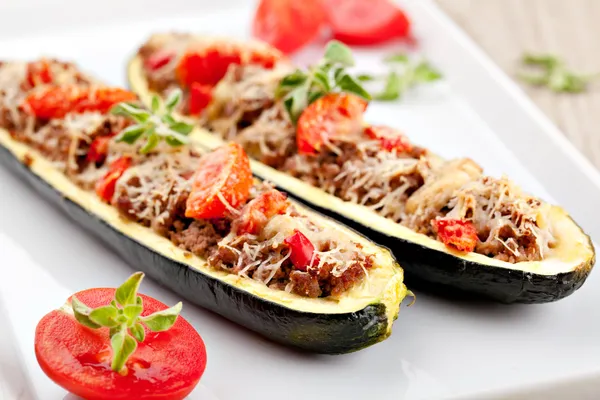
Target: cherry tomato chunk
x,y
39,73
158,59
389,138
302,251
288,24
200,97
258,211
98,149
457,234
359,22
333,115
105,187
222,175
166,365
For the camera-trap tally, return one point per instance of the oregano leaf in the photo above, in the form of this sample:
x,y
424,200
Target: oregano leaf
x,y
127,292
162,320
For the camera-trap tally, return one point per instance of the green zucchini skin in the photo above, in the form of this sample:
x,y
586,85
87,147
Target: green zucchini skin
x,y
314,332
445,274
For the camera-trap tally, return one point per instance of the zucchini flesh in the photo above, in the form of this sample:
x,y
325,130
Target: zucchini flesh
x,y
360,318
428,263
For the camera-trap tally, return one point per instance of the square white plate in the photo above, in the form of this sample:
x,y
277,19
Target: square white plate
x,y
439,348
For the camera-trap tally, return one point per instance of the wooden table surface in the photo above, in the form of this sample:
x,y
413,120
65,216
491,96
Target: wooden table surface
x,y
505,29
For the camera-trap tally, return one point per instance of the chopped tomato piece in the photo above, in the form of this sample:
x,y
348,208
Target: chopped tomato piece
x,y
158,59
389,138
258,211
458,234
333,115
98,149
222,176
288,24
265,58
302,251
200,97
39,73
58,101
105,188
361,22
207,66
166,365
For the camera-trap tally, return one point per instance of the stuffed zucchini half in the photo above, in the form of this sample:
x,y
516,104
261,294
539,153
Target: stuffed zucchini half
x,y
200,224
451,227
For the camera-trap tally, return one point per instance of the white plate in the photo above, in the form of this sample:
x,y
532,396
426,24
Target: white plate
x,y
439,348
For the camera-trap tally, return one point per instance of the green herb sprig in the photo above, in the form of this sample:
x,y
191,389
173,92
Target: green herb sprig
x,y
123,318
301,88
154,125
554,74
404,75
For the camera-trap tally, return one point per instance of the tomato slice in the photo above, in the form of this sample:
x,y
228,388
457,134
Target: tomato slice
x,y
389,138
333,115
363,22
258,211
105,188
223,175
39,73
206,65
457,234
166,365
58,101
200,97
302,251
98,149
158,59
288,24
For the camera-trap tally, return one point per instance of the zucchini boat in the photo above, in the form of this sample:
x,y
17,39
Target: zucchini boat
x,y
197,223
451,227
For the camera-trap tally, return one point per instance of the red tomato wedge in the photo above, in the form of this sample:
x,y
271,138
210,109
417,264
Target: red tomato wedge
x,y
288,24
158,59
58,101
302,251
457,234
258,211
200,97
389,138
166,365
335,114
105,187
98,149
361,22
221,176
39,73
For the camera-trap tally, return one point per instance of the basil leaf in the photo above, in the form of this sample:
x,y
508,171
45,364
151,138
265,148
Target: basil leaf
x,y
127,292
131,134
339,53
397,58
182,127
82,313
155,105
138,332
348,84
105,316
123,346
424,72
173,99
393,88
162,320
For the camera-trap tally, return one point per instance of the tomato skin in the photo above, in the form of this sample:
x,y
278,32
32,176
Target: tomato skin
x,y
167,365
58,101
39,73
389,138
207,65
457,234
302,250
258,211
200,97
288,24
330,116
105,187
359,22
226,170
158,59
98,149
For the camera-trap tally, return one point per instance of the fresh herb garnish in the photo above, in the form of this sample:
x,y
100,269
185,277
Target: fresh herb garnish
x,y
404,75
554,74
123,318
154,125
301,88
